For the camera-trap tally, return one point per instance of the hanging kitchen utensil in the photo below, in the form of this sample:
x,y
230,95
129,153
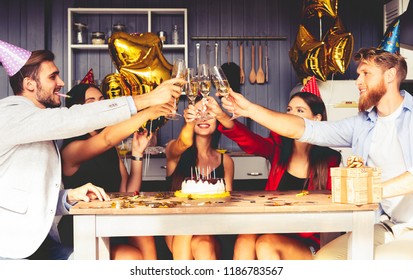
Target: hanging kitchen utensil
x,y
252,76
231,70
260,72
198,46
241,64
216,53
266,62
208,53
228,51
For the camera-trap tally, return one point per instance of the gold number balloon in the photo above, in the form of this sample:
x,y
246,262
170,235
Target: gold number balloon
x,y
320,8
339,47
141,66
308,56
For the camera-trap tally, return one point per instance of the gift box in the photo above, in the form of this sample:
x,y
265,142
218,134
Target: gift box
x,y
356,185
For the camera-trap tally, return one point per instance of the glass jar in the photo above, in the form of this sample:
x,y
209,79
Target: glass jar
x,y
118,27
80,33
98,38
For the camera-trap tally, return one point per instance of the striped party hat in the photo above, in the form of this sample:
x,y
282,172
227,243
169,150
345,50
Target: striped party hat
x,y
311,86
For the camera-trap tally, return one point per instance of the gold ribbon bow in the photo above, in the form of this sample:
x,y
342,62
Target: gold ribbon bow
x,y
355,162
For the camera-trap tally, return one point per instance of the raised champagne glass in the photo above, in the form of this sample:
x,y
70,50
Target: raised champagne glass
x,y
221,84
192,85
178,71
204,81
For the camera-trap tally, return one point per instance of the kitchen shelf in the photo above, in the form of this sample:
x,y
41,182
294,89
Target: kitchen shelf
x,y
238,38
82,57
105,46
347,104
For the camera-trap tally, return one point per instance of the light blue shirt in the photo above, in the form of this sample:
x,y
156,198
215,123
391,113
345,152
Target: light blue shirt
x,y
357,132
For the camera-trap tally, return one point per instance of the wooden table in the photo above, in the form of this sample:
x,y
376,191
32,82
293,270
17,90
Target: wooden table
x,y
158,214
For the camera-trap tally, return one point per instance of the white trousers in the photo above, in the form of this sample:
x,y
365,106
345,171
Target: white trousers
x,y
391,242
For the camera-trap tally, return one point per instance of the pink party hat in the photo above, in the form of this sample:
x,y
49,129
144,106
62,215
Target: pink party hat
x,y
12,57
391,38
312,87
89,78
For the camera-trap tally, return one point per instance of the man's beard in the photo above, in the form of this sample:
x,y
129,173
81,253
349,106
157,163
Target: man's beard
x,y
46,100
372,97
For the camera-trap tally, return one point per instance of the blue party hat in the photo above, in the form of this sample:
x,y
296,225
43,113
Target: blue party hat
x,y
391,39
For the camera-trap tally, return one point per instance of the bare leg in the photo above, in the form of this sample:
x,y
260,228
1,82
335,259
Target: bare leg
x,y
125,252
146,244
204,247
281,247
244,248
180,246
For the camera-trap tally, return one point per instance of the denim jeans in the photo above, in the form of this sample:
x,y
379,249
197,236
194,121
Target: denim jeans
x,y
52,250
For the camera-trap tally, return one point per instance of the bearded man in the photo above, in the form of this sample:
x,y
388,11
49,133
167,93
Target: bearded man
x,y
381,133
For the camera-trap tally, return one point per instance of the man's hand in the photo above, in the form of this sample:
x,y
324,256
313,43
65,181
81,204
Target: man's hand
x,y
86,193
166,92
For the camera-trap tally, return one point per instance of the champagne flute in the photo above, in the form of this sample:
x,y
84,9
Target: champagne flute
x,y
192,85
178,71
204,80
221,84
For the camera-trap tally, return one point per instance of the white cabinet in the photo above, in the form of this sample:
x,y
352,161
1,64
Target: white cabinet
x,y
245,168
250,167
156,170
82,57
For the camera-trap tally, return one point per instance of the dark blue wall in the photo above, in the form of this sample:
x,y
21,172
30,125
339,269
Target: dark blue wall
x,y
37,24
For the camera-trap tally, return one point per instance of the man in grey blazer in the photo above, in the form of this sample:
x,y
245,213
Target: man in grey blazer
x,y
31,192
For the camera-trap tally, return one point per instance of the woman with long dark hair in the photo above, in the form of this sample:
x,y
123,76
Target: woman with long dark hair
x,y
196,147
93,157
294,166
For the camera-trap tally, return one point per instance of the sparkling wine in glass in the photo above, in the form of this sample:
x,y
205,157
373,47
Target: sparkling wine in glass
x,y
221,83
192,85
178,71
204,81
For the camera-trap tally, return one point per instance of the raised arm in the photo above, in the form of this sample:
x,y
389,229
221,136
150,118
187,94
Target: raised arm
x,y
176,147
80,151
283,124
139,143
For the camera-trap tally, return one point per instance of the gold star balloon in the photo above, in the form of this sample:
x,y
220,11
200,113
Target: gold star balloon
x,y
339,47
141,67
308,56
320,8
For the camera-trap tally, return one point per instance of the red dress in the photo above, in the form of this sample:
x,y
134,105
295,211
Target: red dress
x,y
270,148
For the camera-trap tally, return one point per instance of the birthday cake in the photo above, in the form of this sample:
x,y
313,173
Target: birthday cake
x,y
202,188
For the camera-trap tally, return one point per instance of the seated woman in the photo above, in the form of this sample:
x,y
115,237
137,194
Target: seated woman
x,y
294,166
94,158
196,147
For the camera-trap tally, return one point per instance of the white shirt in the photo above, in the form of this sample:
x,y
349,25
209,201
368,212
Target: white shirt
x,y
386,152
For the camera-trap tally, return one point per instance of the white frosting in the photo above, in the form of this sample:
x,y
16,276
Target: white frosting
x,y
202,187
